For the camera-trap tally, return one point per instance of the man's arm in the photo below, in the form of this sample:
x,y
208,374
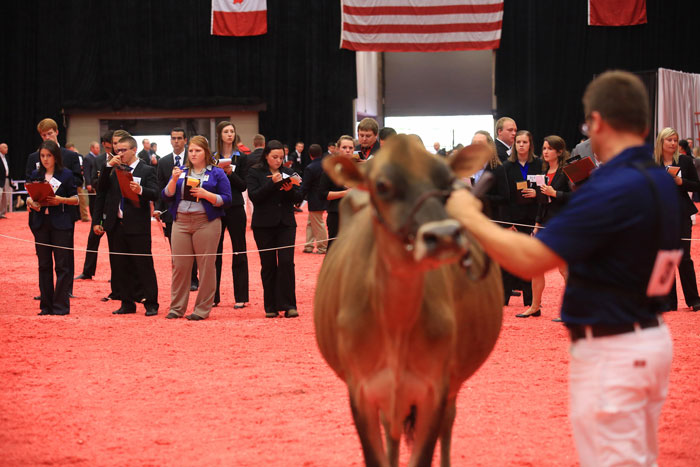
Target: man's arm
x,y
519,253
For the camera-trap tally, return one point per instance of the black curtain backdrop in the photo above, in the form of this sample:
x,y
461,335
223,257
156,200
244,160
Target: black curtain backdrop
x,y
157,54
548,55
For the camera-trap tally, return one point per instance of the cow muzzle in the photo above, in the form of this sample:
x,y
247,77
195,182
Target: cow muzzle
x,y
440,242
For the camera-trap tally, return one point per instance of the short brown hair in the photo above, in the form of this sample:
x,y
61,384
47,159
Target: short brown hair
x,y
258,141
119,134
368,124
621,99
501,121
46,125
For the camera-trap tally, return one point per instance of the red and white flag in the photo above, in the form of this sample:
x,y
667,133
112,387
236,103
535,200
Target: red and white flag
x,y
421,25
238,17
617,12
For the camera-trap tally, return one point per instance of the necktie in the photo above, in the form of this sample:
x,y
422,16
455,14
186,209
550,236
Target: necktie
x,y
177,161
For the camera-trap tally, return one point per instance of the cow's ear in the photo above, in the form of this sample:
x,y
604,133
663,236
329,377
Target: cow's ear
x,y
343,171
470,160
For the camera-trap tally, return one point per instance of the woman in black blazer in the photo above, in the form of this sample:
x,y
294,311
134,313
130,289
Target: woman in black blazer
x,y
666,154
234,219
521,164
274,190
53,223
328,190
556,193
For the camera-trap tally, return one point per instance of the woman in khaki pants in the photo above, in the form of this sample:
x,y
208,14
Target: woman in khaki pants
x,y
198,194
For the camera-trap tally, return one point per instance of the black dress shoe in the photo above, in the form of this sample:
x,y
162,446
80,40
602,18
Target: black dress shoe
x,y
558,320
291,313
215,304
83,277
62,314
122,311
38,297
194,317
172,315
515,293
525,315
150,311
271,314
44,313
70,295
238,306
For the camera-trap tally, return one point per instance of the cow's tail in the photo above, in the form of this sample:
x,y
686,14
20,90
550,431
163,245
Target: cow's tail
x,y
409,425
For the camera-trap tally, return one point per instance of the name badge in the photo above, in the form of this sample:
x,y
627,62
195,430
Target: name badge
x,y
664,272
233,167
182,175
54,184
205,178
137,180
37,165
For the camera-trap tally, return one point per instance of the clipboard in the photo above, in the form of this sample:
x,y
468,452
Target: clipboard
x,y
39,191
673,170
223,163
190,183
124,177
580,170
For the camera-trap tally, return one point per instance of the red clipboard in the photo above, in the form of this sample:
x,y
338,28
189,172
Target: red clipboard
x,y
124,177
580,170
39,191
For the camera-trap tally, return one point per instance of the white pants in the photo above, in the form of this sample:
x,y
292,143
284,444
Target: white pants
x,y
618,385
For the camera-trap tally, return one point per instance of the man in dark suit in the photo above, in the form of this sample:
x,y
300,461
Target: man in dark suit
x,y
85,170
145,153
315,230
367,131
505,137
258,146
93,242
48,129
6,195
178,140
129,222
90,174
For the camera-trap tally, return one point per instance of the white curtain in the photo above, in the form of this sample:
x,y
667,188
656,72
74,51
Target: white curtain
x,y
678,100
367,84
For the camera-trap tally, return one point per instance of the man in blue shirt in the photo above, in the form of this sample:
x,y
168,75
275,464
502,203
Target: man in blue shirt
x,y
609,236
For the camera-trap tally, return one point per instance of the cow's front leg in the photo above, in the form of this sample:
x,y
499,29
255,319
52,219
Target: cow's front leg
x,y
429,417
446,432
366,419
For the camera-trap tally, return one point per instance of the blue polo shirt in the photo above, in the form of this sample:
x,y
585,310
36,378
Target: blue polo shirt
x,y
609,235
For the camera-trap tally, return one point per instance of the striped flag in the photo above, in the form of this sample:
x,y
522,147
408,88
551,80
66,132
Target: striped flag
x,y
617,12
238,17
421,25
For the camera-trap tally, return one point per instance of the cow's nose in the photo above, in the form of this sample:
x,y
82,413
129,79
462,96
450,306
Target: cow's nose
x,y
440,240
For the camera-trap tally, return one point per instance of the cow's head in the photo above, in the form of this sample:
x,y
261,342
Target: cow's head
x,y
408,188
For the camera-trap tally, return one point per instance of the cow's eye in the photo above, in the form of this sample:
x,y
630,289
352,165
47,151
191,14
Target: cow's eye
x,y
384,189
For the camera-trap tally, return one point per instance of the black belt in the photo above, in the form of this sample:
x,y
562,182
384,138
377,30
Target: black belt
x,y
578,331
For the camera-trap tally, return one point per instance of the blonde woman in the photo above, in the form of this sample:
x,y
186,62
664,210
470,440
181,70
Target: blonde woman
x,y
682,169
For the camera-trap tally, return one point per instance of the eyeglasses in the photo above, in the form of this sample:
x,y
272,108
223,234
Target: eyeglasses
x,y
120,151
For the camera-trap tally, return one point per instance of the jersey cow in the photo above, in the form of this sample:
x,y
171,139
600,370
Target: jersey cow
x,y
397,314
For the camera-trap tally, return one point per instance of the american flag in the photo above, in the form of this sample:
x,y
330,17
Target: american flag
x,y
421,25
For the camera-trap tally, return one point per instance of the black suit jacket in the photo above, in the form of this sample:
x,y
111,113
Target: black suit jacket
x,y
90,172
70,161
145,156
521,211
498,196
254,157
137,220
690,183
4,175
273,206
164,170
63,216
237,177
502,151
560,183
311,187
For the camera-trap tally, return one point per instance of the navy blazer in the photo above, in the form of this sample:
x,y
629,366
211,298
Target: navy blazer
x,y
70,161
136,220
310,188
521,210
498,196
216,183
63,216
273,206
164,170
691,183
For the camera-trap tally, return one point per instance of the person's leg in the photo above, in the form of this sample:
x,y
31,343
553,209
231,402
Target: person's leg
x,y
44,256
239,263
526,285
113,294
83,204
537,289
182,265
309,243
332,222
265,238
90,263
319,231
144,280
285,280
686,268
122,274
618,384
218,262
204,242
5,197
63,260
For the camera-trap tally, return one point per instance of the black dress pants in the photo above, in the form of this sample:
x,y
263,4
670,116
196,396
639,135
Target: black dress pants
x,y
90,264
54,300
134,277
277,267
526,285
333,224
235,221
686,271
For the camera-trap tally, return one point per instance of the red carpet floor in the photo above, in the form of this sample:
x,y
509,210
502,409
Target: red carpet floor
x,y
238,389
